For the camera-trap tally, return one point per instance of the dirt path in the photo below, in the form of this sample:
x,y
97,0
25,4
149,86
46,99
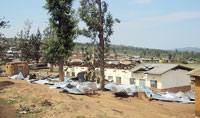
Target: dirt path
x,y
101,105
6,110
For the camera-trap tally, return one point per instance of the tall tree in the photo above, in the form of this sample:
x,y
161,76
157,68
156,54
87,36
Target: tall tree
x,y
29,44
64,23
99,24
3,42
48,34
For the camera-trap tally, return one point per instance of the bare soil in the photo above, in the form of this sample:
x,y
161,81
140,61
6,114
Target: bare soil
x,y
64,105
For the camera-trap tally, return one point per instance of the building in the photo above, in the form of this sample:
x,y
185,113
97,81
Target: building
x,y
196,74
15,68
118,73
165,77
12,53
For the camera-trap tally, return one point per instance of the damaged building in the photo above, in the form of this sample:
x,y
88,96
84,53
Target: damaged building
x,y
164,77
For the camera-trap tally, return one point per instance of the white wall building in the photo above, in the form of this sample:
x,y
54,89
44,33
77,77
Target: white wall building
x,y
159,76
162,76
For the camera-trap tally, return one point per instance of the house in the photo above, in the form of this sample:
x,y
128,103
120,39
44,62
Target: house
x,y
196,74
164,77
15,68
72,69
118,73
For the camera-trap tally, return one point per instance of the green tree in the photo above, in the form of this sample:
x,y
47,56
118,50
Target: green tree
x,y
99,24
3,43
64,23
30,44
35,44
49,34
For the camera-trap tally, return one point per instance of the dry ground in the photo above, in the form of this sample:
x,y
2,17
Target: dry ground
x,y
64,105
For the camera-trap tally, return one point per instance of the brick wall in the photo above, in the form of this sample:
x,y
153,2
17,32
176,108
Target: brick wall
x,y
197,96
177,89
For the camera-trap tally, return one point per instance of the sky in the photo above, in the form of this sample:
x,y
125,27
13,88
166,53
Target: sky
x,y
158,24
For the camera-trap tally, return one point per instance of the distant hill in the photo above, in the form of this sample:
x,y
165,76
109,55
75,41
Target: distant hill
x,y
189,49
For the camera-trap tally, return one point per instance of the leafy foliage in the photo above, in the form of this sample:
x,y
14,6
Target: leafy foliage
x,y
3,42
64,23
99,22
30,45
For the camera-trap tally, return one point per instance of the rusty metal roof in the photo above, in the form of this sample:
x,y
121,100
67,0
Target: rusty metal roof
x,y
195,73
111,66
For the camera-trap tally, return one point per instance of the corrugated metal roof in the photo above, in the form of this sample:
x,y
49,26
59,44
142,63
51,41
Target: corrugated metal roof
x,y
156,68
195,73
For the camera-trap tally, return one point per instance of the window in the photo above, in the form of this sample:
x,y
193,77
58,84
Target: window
x,y
110,78
153,83
142,82
118,80
132,80
73,74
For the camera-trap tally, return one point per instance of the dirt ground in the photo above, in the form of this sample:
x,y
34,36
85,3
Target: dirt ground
x,y
15,94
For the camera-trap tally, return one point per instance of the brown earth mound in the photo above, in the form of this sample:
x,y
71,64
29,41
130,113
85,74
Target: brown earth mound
x,y
100,105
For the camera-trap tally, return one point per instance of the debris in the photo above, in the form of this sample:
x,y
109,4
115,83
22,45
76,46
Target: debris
x,y
171,97
43,76
24,110
19,76
46,103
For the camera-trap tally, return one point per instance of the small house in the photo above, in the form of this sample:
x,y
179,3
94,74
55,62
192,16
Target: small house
x,y
15,68
196,74
164,77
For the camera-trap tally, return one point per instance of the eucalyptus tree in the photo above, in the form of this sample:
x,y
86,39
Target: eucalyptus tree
x,y
63,21
99,28
48,35
29,44
3,42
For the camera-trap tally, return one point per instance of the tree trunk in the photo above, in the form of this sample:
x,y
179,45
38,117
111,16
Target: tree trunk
x,y
61,71
101,47
51,68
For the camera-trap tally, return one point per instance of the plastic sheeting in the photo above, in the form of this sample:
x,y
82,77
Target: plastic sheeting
x,y
126,90
129,90
19,76
167,96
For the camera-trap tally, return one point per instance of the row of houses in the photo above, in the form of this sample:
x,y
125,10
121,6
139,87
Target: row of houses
x,y
170,77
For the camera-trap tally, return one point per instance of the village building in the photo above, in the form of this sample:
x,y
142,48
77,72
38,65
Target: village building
x,y
15,68
196,74
165,77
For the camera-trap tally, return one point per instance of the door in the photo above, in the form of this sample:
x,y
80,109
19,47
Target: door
x,y
142,82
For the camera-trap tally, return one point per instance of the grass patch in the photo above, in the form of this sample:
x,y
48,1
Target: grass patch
x,y
81,99
31,116
43,110
102,115
59,103
35,100
25,99
80,116
193,66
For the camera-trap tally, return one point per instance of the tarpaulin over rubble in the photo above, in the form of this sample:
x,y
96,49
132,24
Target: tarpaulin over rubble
x,y
125,90
129,90
83,88
181,97
19,76
75,87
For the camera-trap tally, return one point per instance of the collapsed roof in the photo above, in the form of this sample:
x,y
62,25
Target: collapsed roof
x,y
111,66
158,69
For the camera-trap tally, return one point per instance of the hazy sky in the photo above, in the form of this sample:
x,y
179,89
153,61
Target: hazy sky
x,y
163,24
